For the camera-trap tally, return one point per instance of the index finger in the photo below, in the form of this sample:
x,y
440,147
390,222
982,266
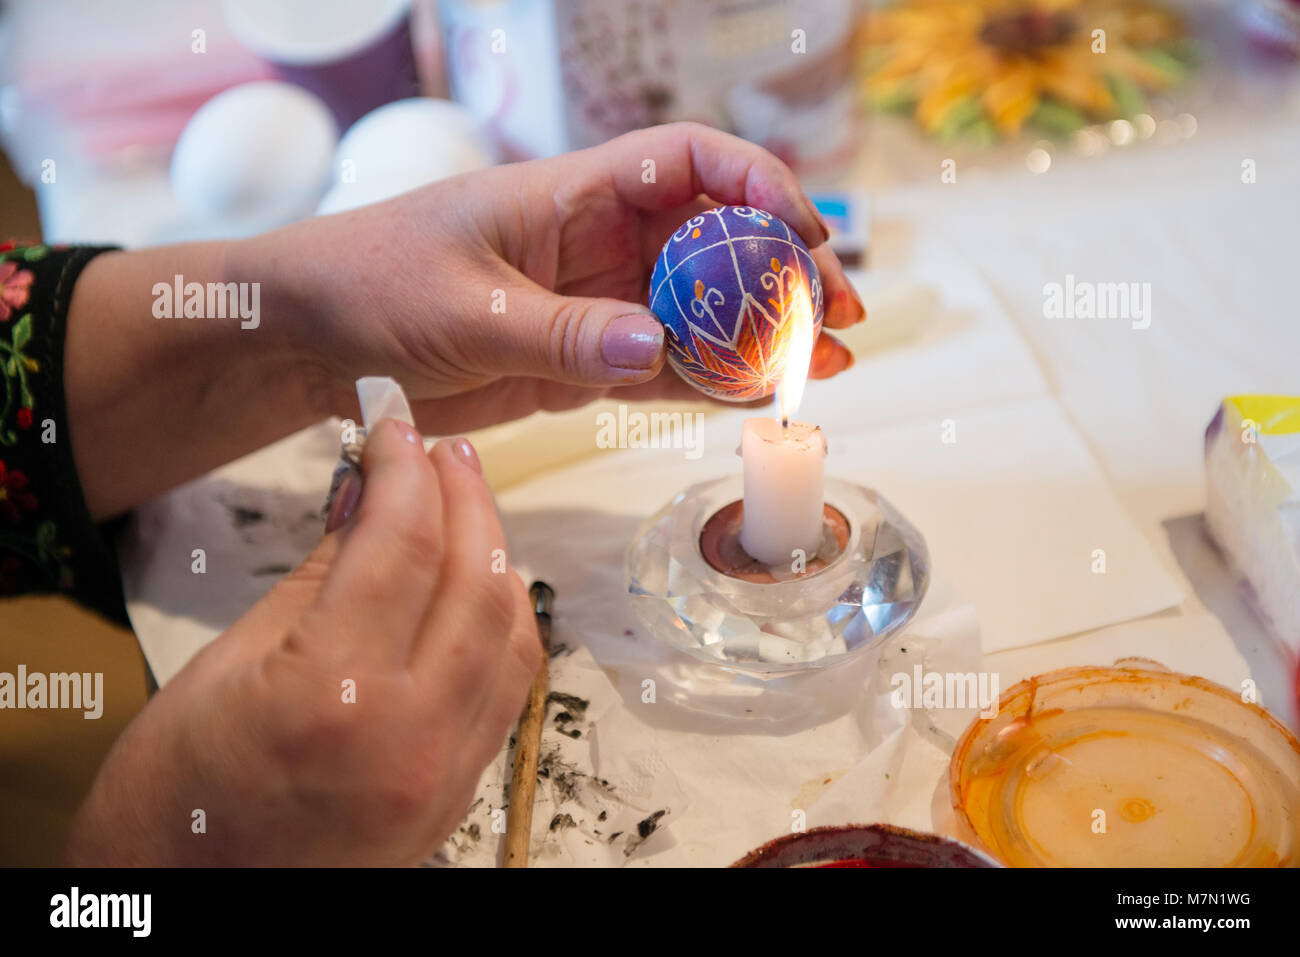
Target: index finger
x,y
378,589
690,159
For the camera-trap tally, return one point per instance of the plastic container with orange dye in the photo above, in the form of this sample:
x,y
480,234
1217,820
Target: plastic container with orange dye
x,y
1128,767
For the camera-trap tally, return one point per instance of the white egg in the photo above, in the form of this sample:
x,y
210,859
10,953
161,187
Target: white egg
x,y
258,155
403,145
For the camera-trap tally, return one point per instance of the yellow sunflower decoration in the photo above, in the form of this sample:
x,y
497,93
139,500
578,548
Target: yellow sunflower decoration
x,y
983,69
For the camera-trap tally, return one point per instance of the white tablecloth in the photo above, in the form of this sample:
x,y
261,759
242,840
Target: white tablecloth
x,y
1219,255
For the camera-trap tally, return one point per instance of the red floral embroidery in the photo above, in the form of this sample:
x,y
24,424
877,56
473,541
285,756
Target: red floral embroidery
x,y
14,497
15,287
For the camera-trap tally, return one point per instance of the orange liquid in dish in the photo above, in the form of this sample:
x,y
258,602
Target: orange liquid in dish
x,y
1138,768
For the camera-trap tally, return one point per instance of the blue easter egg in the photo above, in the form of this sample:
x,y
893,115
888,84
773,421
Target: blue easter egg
x,y
725,287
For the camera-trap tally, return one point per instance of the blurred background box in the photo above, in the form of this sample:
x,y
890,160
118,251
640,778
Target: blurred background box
x,y
354,56
554,75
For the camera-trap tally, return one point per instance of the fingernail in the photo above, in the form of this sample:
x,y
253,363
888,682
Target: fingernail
x,y
844,307
409,433
860,311
817,215
345,501
830,358
463,451
633,341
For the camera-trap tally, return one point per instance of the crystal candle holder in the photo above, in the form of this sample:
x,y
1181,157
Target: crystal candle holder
x,y
865,584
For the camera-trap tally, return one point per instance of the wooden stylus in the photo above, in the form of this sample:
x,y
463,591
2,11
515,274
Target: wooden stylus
x,y
528,739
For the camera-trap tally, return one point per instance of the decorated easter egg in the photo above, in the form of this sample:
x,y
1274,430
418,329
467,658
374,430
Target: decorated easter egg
x,y
729,286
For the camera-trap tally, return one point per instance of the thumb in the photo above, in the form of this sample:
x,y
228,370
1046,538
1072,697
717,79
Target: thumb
x,y
575,340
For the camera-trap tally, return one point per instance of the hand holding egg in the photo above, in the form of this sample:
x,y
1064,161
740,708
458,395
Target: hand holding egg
x,y
524,287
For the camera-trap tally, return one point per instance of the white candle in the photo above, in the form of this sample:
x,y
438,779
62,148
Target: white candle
x,y
784,461
783,490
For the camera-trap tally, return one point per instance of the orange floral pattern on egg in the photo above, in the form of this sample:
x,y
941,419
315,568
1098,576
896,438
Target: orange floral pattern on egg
x,y
726,286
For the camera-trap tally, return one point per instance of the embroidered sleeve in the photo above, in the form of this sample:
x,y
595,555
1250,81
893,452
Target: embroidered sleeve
x,y
48,542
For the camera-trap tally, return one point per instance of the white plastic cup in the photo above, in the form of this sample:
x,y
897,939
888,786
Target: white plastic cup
x,y
354,56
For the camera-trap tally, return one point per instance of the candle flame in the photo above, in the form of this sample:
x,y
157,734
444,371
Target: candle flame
x,y
798,355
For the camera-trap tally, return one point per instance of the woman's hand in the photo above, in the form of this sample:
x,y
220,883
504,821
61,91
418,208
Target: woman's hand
x,y
521,287
347,717
488,296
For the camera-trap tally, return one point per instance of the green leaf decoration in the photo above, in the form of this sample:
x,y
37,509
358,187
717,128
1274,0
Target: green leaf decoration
x,y
1056,118
46,534
1188,51
982,133
899,98
1129,98
22,333
961,114
1172,69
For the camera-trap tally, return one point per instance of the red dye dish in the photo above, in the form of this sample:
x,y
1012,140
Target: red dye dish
x,y
858,845
863,862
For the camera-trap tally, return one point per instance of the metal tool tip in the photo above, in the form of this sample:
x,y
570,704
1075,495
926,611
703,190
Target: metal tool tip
x,y
543,596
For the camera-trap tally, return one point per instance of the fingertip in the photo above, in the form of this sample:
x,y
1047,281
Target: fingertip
x,y
391,437
830,357
859,308
843,305
460,474
815,214
632,346
844,309
394,463
459,451
736,171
